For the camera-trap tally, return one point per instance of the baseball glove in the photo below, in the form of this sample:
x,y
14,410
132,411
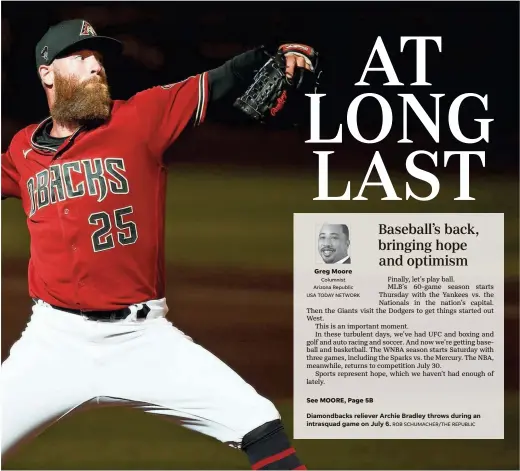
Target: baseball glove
x,y
271,89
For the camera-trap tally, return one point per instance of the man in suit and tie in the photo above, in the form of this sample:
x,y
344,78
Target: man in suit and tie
x,y
334,243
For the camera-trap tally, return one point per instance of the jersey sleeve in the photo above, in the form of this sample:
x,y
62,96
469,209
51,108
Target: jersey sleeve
x,y
165,111
10,177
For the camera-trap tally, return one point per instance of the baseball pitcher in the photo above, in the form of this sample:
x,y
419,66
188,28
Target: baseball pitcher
x,y
92,182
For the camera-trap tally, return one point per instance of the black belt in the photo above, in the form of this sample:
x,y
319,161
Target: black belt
x,y
114,315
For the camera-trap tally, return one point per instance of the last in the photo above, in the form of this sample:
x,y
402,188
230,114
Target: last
x,y
377,166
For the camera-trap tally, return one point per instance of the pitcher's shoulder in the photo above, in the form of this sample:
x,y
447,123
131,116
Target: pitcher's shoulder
x,y
27,132
22,138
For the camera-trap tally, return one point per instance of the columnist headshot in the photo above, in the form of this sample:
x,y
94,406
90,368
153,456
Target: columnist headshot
x,y
334,243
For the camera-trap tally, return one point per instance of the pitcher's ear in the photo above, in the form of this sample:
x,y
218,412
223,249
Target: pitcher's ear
x,y
46,75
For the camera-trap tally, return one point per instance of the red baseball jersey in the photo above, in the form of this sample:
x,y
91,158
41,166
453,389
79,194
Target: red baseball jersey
x,y
96,207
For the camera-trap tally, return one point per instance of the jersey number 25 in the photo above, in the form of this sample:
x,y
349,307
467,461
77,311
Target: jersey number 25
x,y
103,239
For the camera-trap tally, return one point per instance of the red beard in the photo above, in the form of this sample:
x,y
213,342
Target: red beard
x,y
81,102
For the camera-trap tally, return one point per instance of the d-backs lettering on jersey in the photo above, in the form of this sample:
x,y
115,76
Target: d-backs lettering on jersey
x,y
96,207
62,181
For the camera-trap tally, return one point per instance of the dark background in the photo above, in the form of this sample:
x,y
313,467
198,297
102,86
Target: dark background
x,y
242,320
166,42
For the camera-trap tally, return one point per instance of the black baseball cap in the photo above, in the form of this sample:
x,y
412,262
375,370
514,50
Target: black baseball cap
x,y
71,35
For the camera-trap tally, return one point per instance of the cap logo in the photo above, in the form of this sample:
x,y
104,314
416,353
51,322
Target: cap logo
x,y
87,29
45,53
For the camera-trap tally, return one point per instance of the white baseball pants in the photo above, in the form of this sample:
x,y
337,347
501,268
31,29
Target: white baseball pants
x,y
63,362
